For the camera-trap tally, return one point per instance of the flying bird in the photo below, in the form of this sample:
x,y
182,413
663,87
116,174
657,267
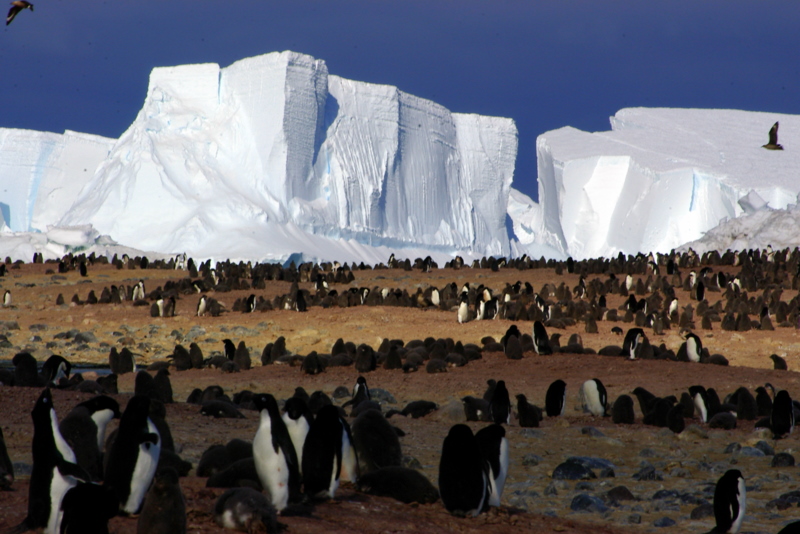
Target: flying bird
x,y
773,139
16,7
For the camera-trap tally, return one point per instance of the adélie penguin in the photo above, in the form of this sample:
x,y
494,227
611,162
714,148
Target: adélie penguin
x,y
297,418
781,420
493,444
84,428
730,500
555,401
133,458
274,454
463,474
327,454
500,404
54,470
594,397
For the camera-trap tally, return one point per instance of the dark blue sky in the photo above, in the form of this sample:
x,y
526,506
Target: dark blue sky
x,y
84,65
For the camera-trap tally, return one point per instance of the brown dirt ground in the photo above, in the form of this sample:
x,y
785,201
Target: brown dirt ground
x,y
35,293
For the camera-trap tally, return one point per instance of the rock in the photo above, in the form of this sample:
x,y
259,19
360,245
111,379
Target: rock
x,y
765,447
665,494
680,472
381,395
592,463
782,459
751,452
451,412
778,504
531,433
85,337
702,511
592,432
634,519
648,453
648,473
732,447
792,496
572,471
584,486
532,459
693,431
588,503
620,493
551,490
664,522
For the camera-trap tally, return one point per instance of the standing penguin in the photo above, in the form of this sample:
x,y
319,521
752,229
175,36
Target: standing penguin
x,y
327,454
493,444
84,429
594,397
297,418
693,347
700,398
54,469
274,454
555,401
541,343
781,421
133,458
463,474
730,500
632,345
500,404
463,308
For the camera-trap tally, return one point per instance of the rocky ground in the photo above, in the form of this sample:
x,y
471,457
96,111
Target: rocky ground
x,y
669,477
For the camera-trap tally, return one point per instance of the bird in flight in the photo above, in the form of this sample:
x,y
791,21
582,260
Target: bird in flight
x,y
773,139
16,7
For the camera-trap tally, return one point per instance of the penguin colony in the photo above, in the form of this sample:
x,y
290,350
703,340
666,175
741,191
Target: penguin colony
x,y
319,448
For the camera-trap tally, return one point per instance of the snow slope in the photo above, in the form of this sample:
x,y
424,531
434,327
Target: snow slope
x,y
658,179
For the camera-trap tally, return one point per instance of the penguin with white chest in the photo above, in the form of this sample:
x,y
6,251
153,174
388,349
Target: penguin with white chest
x,y
274,454
328,454
133,458
493,444
730,500
54,469
594,397
298,419
84,428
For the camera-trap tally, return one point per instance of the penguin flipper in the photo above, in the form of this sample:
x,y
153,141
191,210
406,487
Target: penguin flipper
x,y
68,469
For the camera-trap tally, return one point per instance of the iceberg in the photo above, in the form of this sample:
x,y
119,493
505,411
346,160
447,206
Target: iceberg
x,y
273,156
660,178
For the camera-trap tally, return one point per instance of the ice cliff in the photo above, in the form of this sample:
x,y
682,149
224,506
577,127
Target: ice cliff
x,y
658,179
273,156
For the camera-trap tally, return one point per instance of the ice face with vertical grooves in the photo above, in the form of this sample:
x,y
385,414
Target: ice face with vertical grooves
x,y
276,140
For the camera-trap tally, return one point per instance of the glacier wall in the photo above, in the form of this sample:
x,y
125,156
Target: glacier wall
x,y
42,173
250,160
658,179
